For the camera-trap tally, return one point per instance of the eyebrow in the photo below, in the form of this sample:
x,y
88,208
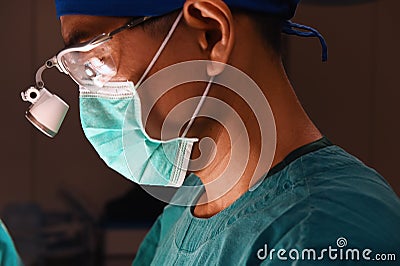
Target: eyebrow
x,y
76,37
79,36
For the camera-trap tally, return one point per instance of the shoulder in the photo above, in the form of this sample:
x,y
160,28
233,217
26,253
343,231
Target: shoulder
x,y
332,196
343,188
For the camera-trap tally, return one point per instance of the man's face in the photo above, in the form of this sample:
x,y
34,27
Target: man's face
x,y
132,51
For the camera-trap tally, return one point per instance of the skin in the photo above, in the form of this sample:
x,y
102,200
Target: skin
x,y
208,31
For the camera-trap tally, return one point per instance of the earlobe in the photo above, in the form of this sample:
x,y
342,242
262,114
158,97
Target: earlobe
x,y
214,18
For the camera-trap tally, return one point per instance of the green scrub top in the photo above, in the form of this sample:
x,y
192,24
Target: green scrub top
x,y
319,206
8,254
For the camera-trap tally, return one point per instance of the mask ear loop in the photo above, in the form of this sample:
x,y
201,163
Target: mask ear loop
x,y
159,51
155,58
198,108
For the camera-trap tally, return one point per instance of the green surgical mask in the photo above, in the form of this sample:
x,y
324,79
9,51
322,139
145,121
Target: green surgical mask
x,y
112,123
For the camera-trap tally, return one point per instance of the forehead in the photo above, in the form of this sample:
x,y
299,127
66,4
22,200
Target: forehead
x,y
78,28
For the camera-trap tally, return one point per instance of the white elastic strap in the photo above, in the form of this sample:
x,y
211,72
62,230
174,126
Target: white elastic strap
x,y
162,46
198,108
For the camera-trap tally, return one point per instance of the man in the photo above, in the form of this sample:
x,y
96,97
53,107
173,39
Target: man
x,y
315,201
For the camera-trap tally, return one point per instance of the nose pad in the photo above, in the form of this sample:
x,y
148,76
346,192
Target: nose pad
x,y
46,112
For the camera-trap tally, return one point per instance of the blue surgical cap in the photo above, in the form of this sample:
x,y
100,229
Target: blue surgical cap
x,y
131,8
128,8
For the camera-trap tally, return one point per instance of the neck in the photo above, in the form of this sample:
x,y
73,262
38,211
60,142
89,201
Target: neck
x,y
293,129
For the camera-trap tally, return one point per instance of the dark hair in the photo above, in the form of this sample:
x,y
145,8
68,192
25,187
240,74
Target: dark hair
x,y
160,25
269,26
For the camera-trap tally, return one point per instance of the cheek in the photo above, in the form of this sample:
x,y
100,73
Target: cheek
x,y
133,55
163,114
164,117
168,114
183,46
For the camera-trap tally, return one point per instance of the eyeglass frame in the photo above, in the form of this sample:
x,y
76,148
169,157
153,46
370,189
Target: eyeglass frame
x,y
91,44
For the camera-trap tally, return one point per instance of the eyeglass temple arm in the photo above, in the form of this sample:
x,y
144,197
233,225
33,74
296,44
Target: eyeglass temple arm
x,y
130,24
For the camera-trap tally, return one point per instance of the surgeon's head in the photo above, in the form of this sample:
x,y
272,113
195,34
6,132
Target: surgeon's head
x,y
215,30
115,49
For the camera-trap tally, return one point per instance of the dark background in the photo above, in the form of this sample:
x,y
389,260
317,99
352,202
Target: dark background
x,y
353,99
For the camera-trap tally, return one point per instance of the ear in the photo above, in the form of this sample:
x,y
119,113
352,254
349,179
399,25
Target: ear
x,y
214,20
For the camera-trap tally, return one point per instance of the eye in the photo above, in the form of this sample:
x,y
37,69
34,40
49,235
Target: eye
x,y
92,67
89,71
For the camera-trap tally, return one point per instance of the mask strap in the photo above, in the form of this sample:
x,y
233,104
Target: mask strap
x,y
153,61
159,51
197,110
306,31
